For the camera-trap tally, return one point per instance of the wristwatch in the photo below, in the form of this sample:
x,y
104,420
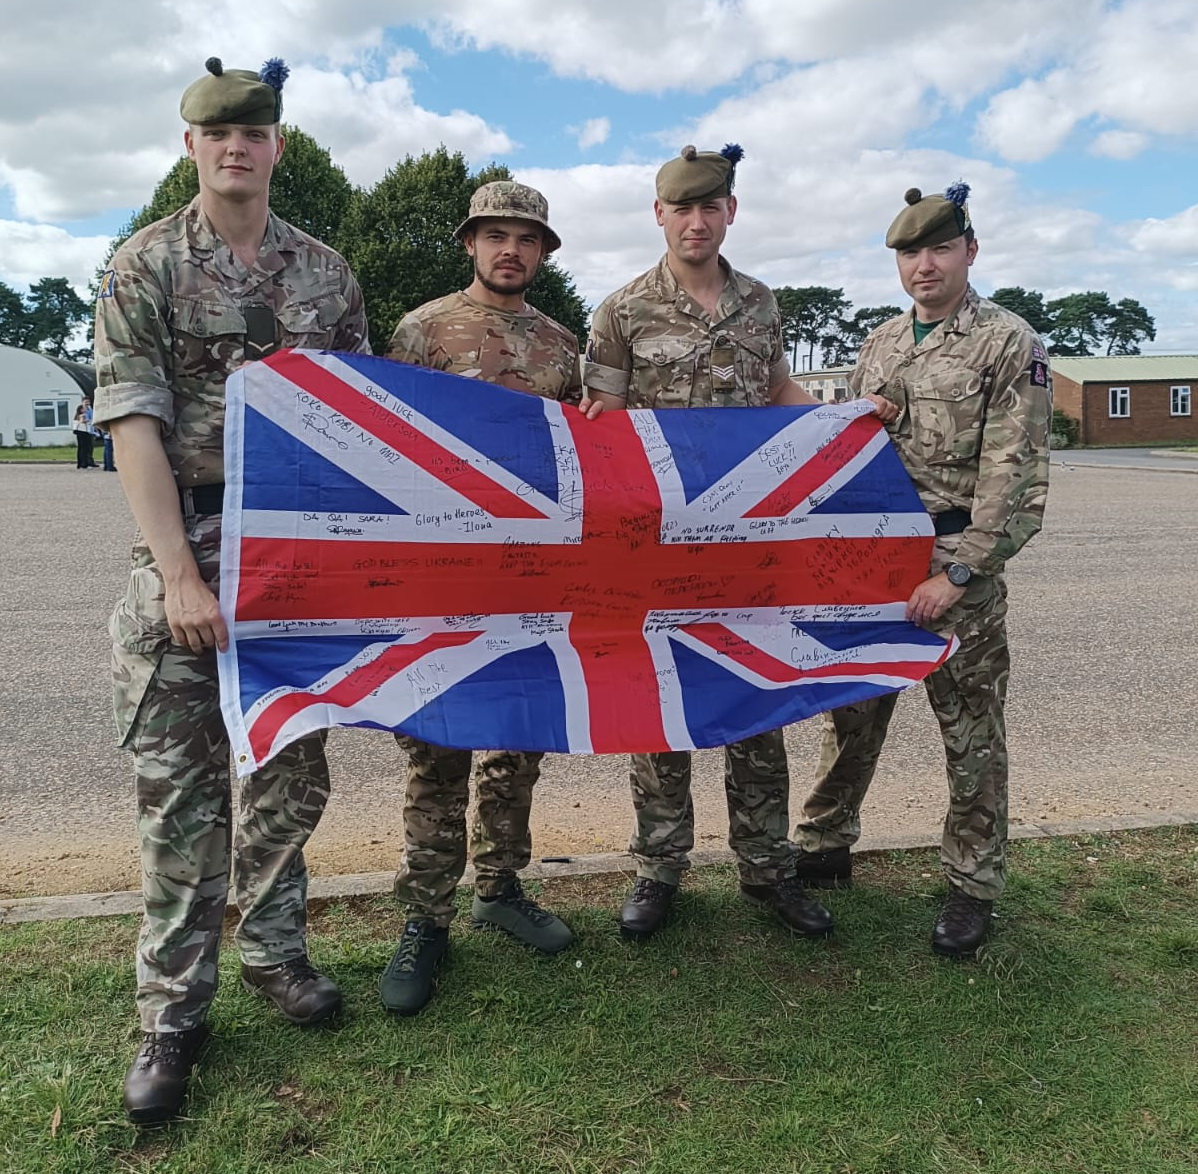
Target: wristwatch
x,y
958,574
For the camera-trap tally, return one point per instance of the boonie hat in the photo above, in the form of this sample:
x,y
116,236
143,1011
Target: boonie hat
x,y
509,200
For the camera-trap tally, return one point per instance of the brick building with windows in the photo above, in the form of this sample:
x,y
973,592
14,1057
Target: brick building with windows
x,y
1128,399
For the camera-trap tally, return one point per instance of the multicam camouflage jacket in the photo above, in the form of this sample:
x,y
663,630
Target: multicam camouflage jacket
x,y
975,400
653,344
171,325
522,350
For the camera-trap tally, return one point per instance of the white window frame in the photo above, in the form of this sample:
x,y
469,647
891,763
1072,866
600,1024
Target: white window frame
x,y
60,405
1118,398
1179,399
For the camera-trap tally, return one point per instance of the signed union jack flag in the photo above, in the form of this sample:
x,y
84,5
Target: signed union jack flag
x,y
410,550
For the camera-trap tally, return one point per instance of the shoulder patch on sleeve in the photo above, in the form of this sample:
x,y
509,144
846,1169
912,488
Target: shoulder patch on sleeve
x,y
1038,352
107,283
1039,373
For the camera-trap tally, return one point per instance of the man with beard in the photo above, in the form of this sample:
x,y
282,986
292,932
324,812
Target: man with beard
x,y
489,332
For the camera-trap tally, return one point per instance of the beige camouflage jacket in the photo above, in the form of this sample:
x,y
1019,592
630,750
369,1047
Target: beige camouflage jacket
x,y
654,345
521,350
170,326
975,401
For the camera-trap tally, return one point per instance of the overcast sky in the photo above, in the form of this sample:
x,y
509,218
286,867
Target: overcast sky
x,y
1073,120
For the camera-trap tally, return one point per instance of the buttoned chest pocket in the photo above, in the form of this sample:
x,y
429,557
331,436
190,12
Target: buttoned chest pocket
x,y
206,336
753,353
948,413
311,323
663,372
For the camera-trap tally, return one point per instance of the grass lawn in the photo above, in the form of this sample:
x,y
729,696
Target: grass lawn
x,y
725,1045
50,452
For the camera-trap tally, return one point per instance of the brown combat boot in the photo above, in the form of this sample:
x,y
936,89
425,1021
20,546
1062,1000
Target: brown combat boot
x,y
296,987
795,907
646,908
962,925
156,1083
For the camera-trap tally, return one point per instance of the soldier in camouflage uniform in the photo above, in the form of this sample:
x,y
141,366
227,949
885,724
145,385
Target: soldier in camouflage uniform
x,y
186,301
693,332
488,332
974,393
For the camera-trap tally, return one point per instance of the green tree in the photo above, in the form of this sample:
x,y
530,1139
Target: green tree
x,y
845,339
16,329
1079,322
1065,429
1130,324
809,314
1027,303
399,242
307,189
56,312
45,319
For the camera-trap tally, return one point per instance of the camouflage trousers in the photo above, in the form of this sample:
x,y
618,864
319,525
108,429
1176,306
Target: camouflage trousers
x,y
434,817
757,784
168,714
967,694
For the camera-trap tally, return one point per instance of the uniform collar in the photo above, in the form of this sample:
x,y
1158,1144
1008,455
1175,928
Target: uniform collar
x,y
737,287
961,322
204,239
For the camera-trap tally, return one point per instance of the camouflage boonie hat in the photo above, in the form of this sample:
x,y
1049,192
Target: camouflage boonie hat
x,y
235,95
698,175
508,200
930,220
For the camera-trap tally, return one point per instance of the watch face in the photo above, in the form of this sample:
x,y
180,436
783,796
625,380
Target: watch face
x,y
959,574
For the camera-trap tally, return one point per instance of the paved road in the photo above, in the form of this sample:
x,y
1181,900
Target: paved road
x,y
1157,460
1104,623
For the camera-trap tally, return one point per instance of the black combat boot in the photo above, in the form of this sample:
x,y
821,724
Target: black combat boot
x,y
646,909
296,987
156,1083
825,870
962,925
407,983
795,907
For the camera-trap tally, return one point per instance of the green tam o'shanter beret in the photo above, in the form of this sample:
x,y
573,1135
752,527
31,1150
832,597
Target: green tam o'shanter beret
x,y
509,200
235,95
698,175
930,220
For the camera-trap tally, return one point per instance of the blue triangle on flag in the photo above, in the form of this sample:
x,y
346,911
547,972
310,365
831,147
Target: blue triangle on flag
x,y
710,442
282,473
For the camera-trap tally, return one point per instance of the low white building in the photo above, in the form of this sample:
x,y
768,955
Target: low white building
x,y
38,397
831,384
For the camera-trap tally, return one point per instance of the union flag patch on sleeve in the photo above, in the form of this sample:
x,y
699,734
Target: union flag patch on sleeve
x,y
107,283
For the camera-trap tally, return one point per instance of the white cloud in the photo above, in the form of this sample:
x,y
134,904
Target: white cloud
x,y
1135,69
840,105
1176,235
592,132
1119,144
33,251
369,125
104,133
